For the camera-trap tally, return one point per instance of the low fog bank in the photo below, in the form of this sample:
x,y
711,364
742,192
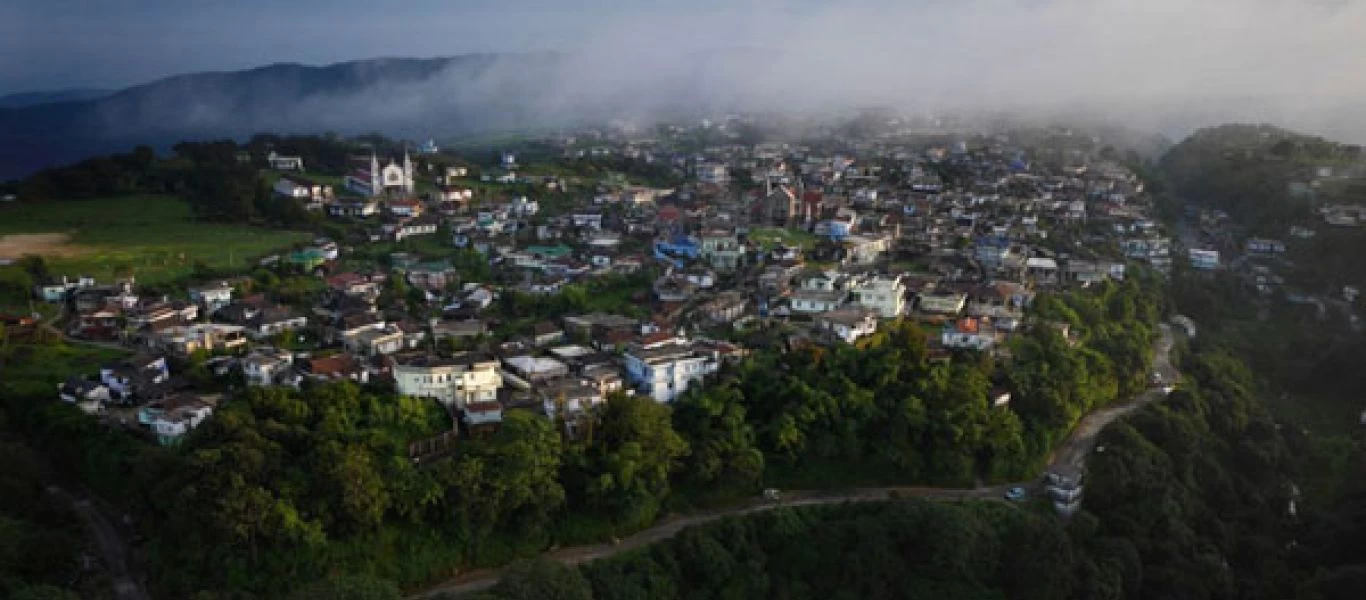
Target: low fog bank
x,y
1166,66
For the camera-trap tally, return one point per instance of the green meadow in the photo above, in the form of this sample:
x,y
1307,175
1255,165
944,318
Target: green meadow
x,y
769,237
156,238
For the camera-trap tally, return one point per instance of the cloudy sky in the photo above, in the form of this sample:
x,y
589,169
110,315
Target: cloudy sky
x,y
1300,56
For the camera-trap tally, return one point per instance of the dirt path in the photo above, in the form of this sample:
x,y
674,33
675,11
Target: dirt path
x,y
482,579
112,546
1072,451
49,245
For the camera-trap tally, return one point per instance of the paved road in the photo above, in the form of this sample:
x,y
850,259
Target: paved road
x,y
112,546
1072,451
1082,440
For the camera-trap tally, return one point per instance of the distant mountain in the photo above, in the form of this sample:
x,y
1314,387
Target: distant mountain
x,y
35,98
400,97
417,97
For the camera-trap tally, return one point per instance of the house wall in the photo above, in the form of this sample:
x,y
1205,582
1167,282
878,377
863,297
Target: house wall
x,y
967,341
478,385
438,383
666,381
850,333
951,304
813,306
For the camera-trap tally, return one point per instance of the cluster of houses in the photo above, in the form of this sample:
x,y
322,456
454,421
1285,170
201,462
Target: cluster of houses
x,y
960,239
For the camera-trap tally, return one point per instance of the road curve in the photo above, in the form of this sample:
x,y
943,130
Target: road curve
x,y
113,548
1072,451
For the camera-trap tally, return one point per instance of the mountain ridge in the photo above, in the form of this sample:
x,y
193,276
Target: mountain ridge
x,y
400,95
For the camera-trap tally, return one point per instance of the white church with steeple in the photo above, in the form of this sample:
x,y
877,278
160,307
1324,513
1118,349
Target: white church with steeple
x,y
394,177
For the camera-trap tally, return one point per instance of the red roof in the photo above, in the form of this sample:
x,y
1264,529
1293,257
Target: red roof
x,y
668,213
655,338
340,364
345,280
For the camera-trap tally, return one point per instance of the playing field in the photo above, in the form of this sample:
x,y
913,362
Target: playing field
x,y
155,237
769,237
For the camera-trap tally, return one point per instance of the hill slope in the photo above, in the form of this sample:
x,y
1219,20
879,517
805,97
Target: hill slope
x,y
48,97
401,96
1247,170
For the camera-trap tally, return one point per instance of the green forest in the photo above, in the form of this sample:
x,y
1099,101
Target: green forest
x,y
1189,499
311,494
40,540
883,411
283,487
1246,170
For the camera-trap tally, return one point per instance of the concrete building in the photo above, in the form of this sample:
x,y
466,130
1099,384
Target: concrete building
x,y
665,372
455,381
848,324
883,295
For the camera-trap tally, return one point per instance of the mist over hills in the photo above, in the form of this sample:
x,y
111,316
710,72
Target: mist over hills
x,y
483,93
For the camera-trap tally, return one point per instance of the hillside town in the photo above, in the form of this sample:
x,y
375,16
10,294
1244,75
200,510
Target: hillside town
x,y
758,247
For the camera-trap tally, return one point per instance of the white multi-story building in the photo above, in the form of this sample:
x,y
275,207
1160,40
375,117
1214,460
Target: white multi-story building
x,y
968,334
817,294
721,249
213,296
173,419
172,426
885,296
457,381
266,366
848,324
665,372
299,188
280,162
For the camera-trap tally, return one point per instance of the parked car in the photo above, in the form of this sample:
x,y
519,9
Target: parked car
x,y
1015,494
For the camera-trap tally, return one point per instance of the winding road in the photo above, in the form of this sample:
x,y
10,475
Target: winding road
x,y
109,540
1072,451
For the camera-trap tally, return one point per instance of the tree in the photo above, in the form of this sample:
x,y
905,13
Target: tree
x,y
35,266
722,451
348,587
542,579
357,483
626,467
15,285
43,592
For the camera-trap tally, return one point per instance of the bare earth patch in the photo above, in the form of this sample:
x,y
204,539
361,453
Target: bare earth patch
x,y
56,245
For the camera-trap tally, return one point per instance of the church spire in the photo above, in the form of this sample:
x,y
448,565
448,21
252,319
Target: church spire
x,y
407,171
376,178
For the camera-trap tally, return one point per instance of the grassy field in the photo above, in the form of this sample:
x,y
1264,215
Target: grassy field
x,y
336,181
37,367
155,237
769,237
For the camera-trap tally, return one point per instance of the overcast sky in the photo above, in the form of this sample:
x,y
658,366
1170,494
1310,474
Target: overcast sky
x,y
1306,54
47,44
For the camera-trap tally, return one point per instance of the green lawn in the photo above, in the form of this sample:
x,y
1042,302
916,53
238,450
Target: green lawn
x,y
155,236
336,181
768,237
35,367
